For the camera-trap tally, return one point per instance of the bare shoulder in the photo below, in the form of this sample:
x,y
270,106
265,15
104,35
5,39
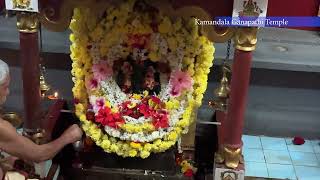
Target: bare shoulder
x,y
5,124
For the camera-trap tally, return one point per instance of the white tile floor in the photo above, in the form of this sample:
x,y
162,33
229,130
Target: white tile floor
x,y
280,158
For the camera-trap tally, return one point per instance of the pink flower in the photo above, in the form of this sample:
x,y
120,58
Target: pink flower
x,y
91,83
99,104
101,71
175,92
180,81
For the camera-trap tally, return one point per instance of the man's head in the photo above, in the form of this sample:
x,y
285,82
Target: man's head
x,y
4,81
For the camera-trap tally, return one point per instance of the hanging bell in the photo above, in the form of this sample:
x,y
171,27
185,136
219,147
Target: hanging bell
x,y
223,90
44,87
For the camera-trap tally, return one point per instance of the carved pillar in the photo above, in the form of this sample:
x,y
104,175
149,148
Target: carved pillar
x,y
245,42
27,24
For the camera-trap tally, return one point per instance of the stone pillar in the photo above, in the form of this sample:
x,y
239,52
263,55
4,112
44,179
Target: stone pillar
x,y
245,41
27,24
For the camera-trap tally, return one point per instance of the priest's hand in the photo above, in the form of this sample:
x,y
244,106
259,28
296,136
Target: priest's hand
x,y
72,134
13,143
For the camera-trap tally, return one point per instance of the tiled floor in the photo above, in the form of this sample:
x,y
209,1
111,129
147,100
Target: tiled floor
x,y
279,158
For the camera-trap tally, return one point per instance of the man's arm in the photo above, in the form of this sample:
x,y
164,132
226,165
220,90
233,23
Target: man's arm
x,y
21,147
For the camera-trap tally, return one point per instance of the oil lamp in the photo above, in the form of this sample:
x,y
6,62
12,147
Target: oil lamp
x,y
53,96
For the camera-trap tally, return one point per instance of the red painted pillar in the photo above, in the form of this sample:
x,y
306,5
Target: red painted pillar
x,y
29,54
238,97
221,118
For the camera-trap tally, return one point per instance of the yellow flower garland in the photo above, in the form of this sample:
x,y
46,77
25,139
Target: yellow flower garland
x,y
85,27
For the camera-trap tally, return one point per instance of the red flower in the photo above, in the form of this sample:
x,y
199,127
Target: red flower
x,y
107,118
145,110
90,115
188,173
125,110
160,119
155,99
298,141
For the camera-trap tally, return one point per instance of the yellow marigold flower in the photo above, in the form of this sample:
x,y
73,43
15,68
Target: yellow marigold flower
x,y
132,105
145,93
183,123
173,136
176,104
79,113
85,127
164,146
126,147
144,154
178,130
157,142
114,148
95,134
107,150
79,107
73,25
191,71
154,56
128,127
82,117
114,109
135,145
76,13
97,33
72,38
172,44
165,26
177,25
169,105
147,147
151,103
105,144
188,60
137,96
91,23
107,103
132,153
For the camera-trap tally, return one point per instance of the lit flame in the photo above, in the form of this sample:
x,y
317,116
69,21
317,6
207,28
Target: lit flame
x,y
55,94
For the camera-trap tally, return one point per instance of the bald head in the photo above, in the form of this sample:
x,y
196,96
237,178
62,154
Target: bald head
x,y
4,81
4,71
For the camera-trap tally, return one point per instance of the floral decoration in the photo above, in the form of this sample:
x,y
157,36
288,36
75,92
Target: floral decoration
x,y
187,168
135,87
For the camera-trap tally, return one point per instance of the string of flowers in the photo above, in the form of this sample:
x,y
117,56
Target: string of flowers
x,y
127,123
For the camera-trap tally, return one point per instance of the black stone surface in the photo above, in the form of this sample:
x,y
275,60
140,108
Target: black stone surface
x,y
101,165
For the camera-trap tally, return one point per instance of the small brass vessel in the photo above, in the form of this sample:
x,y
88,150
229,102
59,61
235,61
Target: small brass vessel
x,y
13,118
39,137
44,87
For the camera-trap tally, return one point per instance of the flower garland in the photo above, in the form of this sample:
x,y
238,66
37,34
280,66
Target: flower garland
x,y
119,117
